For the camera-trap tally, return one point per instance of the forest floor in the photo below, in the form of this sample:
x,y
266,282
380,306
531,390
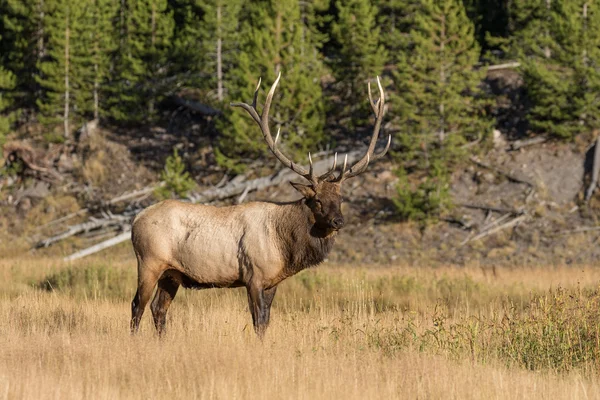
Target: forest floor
x,y
527,210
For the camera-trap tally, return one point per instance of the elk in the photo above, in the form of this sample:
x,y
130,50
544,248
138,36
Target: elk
x,y
254,245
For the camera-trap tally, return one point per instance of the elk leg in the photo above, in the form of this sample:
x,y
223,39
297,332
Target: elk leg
x,y
269,295
146,285
260,301
167,289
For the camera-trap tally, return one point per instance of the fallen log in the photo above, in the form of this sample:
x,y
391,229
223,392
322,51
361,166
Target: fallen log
x,y
509,224
84,227
283,176
100,246
519,144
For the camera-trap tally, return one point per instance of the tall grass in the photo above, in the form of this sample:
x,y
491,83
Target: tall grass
x,y
336,331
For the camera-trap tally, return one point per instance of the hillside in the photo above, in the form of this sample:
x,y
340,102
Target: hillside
x,y
103,165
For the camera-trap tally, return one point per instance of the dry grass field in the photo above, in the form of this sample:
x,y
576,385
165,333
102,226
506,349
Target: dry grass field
x,y
336,332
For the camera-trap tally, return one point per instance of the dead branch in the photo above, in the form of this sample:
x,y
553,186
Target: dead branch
x,y
466,225
135,193
235,187
497,170
100,246
85,227
495,222
519,144
491,208
595,172
509,224
510,65
63,219
579,230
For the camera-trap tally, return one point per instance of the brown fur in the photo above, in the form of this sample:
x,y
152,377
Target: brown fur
x,y
256,245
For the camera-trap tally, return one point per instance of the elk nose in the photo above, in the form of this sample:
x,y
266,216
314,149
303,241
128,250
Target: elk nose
x,y
337,223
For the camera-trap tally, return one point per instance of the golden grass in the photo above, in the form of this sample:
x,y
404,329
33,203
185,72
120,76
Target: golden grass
x,y
73,342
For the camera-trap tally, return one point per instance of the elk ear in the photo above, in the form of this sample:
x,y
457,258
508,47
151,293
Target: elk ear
x,y
306,190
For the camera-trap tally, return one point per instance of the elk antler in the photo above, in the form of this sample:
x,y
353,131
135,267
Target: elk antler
x,y
356,169
362,164
263,122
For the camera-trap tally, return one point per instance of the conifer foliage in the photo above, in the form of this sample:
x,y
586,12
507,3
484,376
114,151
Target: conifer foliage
x,y
277,40
360,56
129,63
7,83
438,101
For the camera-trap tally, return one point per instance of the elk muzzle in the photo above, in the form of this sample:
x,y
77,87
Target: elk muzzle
x,y
337,223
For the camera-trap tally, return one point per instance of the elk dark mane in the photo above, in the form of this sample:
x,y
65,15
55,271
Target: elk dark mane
x,y
302,244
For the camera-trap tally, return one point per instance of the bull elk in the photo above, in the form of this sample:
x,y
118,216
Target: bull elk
x,y
255,245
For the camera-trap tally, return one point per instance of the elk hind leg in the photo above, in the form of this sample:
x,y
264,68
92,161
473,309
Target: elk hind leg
x,y
260,301
147,279
167,289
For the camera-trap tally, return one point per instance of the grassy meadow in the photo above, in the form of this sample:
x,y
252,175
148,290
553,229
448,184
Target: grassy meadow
x,y
336,332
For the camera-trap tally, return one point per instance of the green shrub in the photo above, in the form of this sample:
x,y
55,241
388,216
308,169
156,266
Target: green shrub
x,y
177,180
424,201
557,331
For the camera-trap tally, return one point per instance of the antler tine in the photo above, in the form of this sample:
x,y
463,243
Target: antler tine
x,y
263,122
330,172
256,92
342,174
378,109
374,105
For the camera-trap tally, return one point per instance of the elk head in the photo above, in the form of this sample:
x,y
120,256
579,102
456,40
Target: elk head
x,y
322,193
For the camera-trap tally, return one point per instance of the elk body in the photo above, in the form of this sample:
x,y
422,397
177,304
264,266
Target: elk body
x,y
255,245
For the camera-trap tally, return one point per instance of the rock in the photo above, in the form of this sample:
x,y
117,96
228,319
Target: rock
x,y
498,139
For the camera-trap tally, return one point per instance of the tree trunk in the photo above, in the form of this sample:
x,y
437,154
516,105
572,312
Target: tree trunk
x,y
547,51
219,56
442,131
153,41
66,113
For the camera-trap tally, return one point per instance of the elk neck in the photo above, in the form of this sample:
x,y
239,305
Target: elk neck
x,y
302,244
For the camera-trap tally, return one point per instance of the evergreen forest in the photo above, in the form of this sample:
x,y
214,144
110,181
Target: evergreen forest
x,y
128,63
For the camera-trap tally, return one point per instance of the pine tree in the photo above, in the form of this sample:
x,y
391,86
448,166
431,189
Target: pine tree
x,y
56,69
276,42
23,45
585,56
395,21
491,21
7,84
144,37
188,34
220,38
557,43
360,56
92,45
438,103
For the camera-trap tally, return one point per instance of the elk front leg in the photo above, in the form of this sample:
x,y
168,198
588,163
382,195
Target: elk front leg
x,y
260,301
